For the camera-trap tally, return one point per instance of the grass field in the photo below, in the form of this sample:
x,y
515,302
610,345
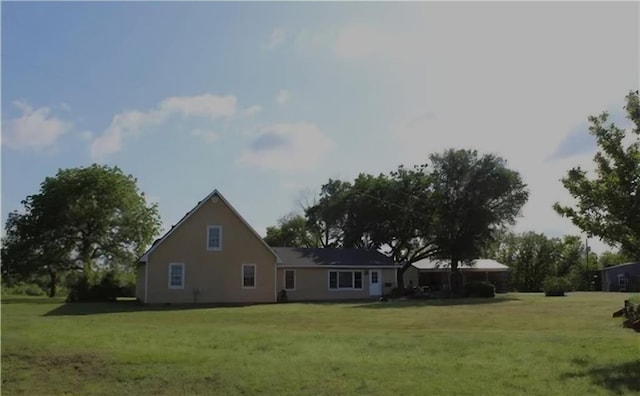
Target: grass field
x,y
515,344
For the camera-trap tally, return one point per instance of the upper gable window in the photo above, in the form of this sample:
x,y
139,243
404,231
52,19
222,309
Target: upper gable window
x,y
214,237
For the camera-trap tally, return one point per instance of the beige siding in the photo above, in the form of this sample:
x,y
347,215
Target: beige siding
x,y
216,274
140,282
313,284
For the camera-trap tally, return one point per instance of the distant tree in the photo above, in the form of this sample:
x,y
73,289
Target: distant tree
x,y
608,205
531,258
571,254
609,259
475,196
81,219
292,231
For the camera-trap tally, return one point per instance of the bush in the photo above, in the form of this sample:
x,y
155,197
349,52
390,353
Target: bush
x,y
107,288
24,289
282,296
479,289
555,286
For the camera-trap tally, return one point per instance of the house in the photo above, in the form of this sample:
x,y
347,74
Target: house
x,y
334,274
435,273
212,255
623,277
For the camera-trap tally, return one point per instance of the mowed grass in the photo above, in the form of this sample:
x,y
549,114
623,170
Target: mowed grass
x,y
515,344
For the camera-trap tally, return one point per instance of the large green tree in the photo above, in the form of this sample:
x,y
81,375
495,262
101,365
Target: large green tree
x,y
475,197
608,204
81,219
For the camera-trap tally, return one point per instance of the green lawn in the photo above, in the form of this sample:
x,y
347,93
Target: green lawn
x,y
516,344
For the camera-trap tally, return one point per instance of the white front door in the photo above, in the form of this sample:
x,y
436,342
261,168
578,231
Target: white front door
x,y
375,283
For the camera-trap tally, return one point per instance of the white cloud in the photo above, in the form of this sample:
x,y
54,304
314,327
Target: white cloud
x,y
206,105
34,129
131,123
455,79
251,111
276,39
206,135
286,148
282,97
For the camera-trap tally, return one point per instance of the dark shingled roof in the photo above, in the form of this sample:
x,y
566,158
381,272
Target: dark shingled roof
x,y
311,257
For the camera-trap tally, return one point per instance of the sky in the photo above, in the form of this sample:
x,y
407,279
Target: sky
x,y
267,101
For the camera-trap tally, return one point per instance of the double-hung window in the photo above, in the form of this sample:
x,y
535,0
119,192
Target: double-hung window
x,y
176,276
214,237
248,276
351,280
290,279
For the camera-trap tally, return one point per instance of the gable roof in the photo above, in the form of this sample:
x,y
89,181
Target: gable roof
x,y
332,257
445,265
630,265
214,193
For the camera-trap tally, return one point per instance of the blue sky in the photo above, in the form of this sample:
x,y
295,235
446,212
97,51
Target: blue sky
x,y
267,101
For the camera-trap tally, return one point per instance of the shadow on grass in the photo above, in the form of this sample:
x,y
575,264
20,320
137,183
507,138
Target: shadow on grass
x,y
436,302
622,378
94,308
30,300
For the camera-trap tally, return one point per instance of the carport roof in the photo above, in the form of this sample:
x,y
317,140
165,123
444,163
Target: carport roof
x,y
482,265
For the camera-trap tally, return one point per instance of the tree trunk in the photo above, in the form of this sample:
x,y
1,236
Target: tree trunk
x,y
52,286
455,278
401,272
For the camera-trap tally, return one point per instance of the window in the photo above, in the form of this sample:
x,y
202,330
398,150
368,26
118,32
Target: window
x,y
345,280
289,279
214,237
176,276
248,276
374,276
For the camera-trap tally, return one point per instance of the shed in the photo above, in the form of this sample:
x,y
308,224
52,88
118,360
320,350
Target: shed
x,y
623,277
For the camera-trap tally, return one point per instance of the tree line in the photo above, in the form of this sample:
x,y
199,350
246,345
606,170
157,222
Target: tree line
x,y
449,208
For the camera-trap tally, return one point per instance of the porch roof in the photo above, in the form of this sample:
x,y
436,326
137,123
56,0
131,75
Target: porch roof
x,y
479,265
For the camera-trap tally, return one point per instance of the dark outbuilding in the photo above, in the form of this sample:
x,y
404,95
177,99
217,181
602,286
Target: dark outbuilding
x,y
623,277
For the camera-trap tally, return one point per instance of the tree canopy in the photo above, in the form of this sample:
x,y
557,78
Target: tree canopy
x,y
81,219
474,197
448,208
608,205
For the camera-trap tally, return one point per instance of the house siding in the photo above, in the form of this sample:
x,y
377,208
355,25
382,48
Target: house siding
x,y
140,282
312,284
215,275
